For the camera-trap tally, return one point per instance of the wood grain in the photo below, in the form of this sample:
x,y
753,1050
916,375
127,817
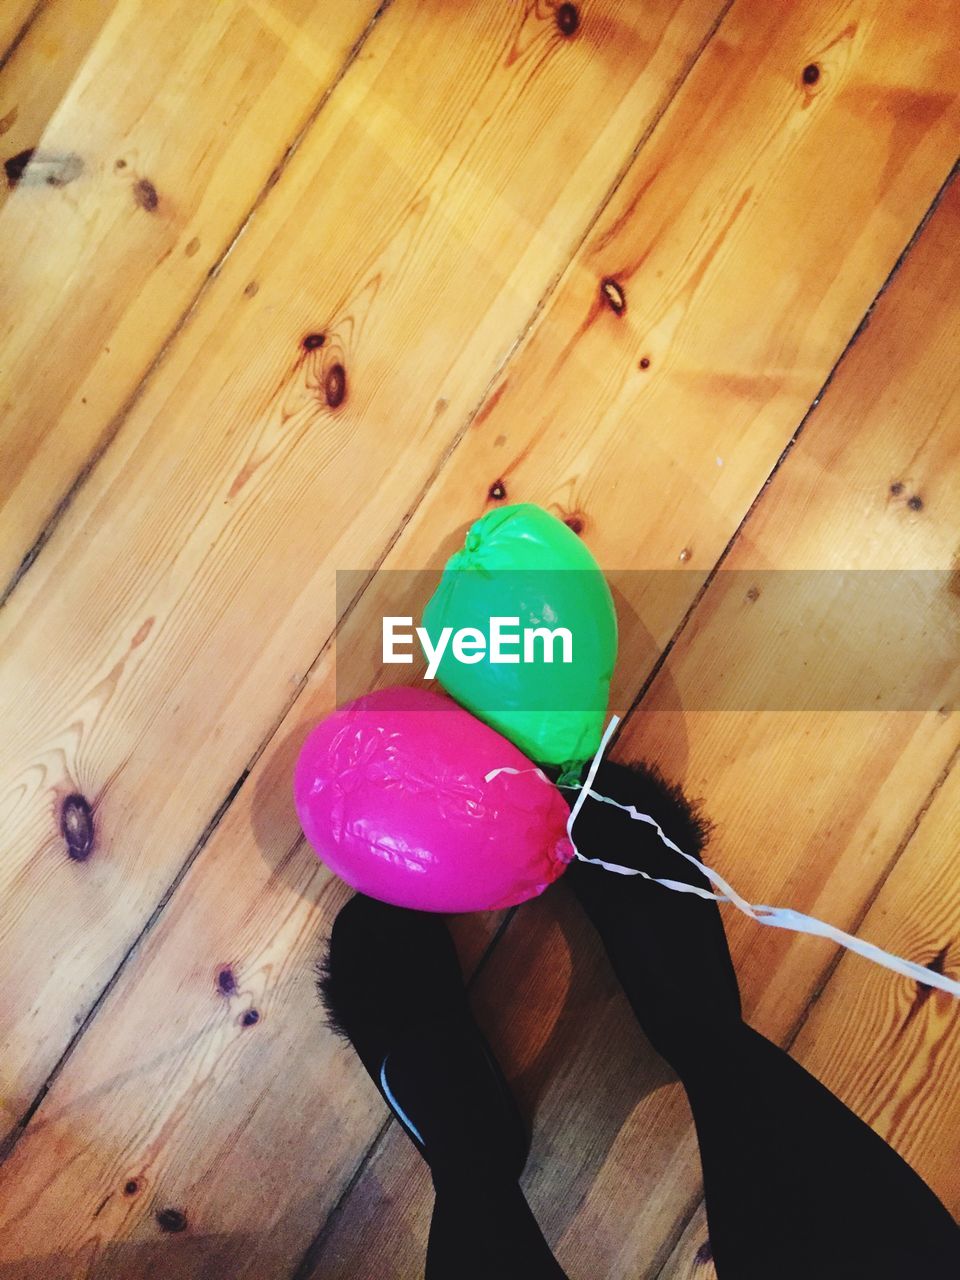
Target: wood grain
x,y
654,429
889,1047
168,132
251,1130
171,619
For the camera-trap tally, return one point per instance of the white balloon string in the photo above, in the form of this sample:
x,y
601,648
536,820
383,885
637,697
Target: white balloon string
x,y
516,773
588,782
775,917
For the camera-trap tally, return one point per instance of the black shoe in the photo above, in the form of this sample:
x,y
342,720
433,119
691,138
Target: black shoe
x,y
668,949
392,986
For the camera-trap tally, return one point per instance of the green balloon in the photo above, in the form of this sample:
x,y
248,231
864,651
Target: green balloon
x,y
548,691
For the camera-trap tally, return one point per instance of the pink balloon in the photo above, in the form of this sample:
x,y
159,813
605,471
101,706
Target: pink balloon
x,y
391,791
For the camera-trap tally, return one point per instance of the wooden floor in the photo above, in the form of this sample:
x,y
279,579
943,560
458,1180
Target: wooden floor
x,y
292,286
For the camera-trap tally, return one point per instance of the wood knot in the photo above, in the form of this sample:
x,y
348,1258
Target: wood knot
x,y
76,827
335,385
896,488
753,593
250,1018
644,362
613,295
939,962
313,340
497,491
811,73
226,981
171,1220
131,1187
915,502
145,194
142,632
568,19
575,522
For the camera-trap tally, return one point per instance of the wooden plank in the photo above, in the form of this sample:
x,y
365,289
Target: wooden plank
x,y
170,621
252,1167
887,420
665,420
138,185
886,1047
58,1171
889,1048
38,74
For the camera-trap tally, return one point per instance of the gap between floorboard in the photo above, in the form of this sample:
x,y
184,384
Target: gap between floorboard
x,y
18,38
788,448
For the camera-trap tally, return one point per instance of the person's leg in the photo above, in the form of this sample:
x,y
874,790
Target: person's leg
x,y
489,1233
796,1185
392,986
